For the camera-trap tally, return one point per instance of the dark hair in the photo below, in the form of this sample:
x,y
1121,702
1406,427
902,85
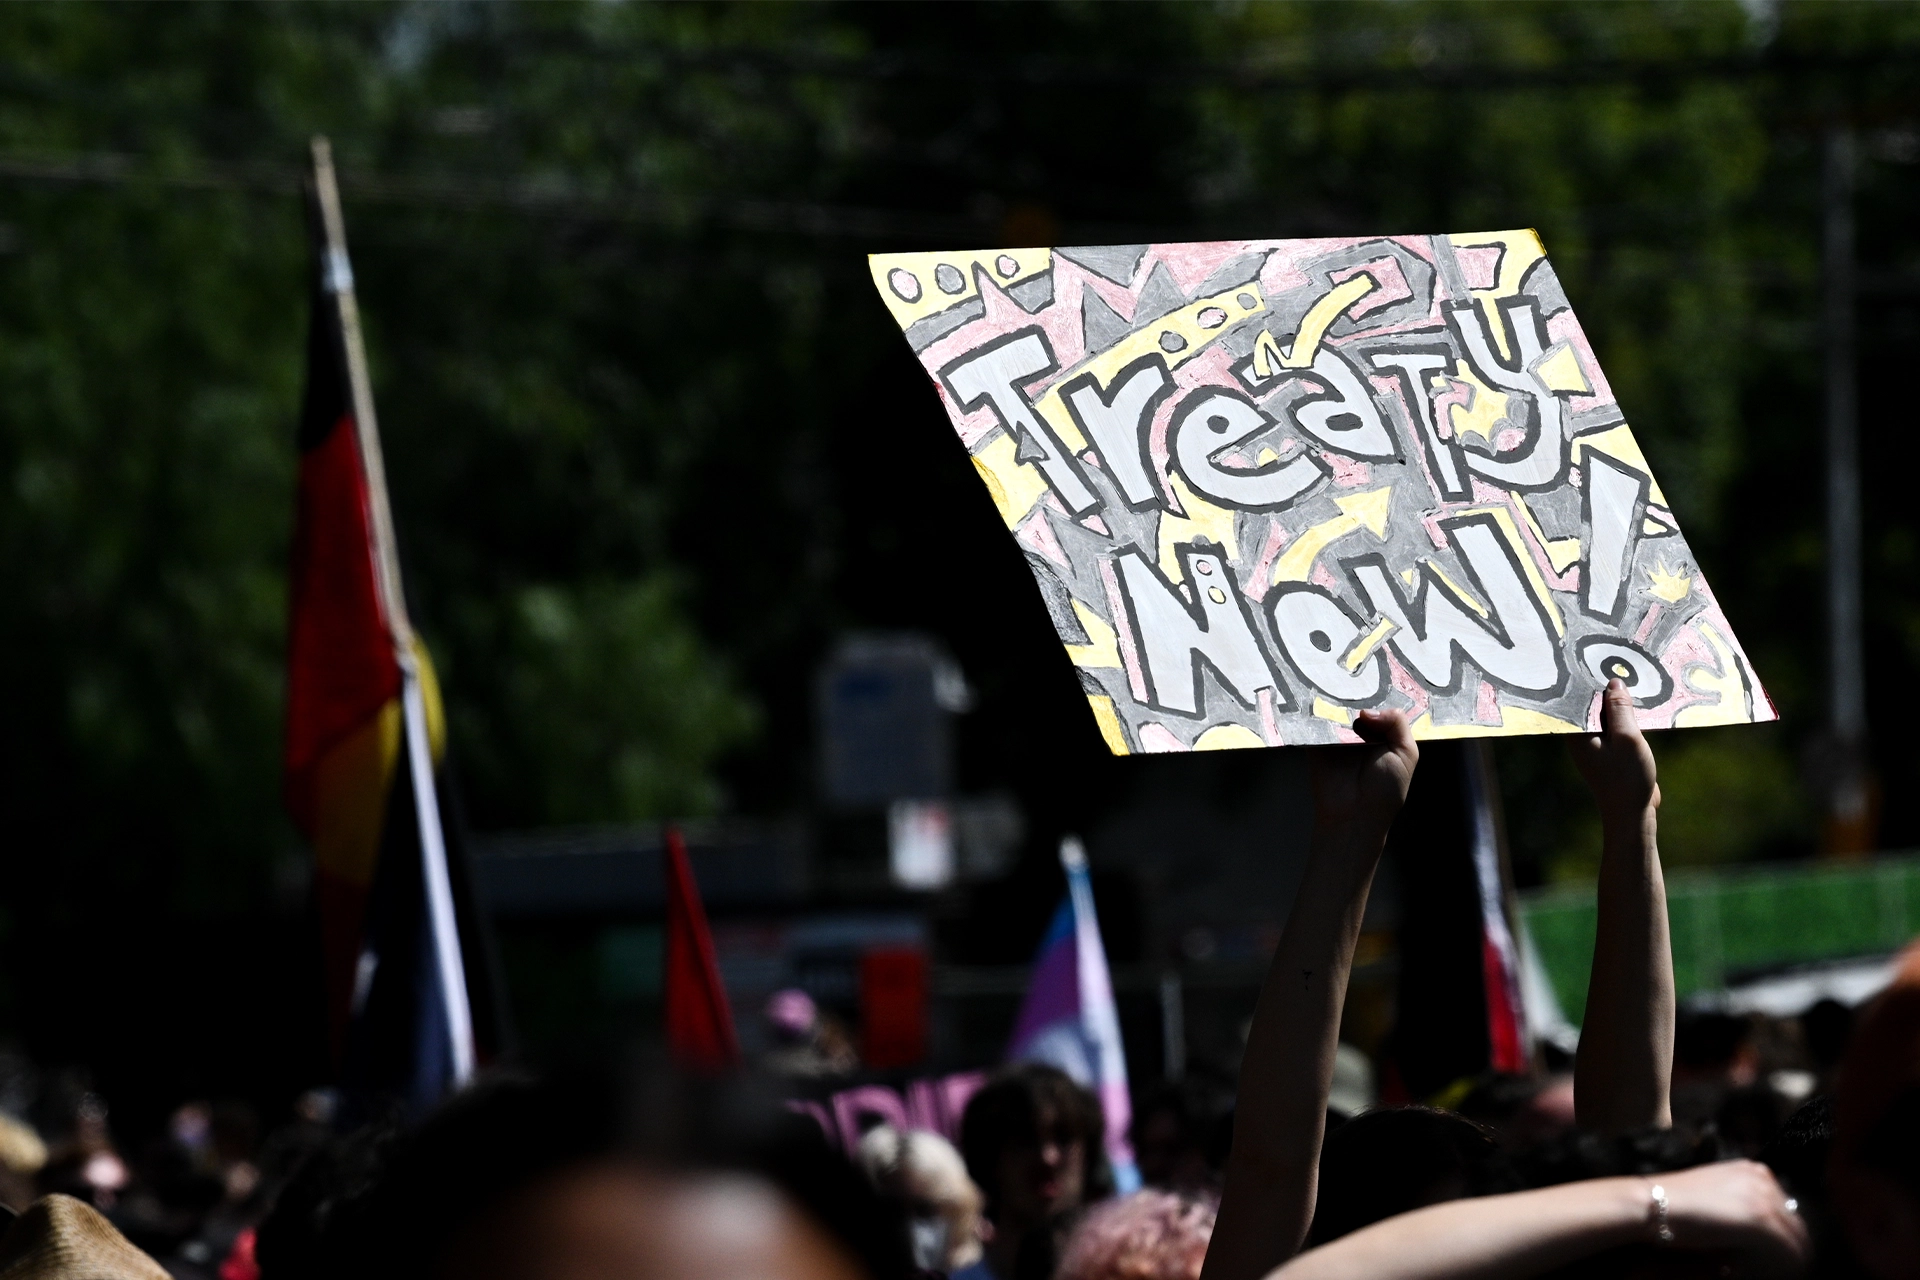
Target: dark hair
x,y
1892,1147
1579,1155
1798,1153
1826,1027
1708,1039
1388,1161
1749,1118
477,1150
1499,1096
314,1213
1203,1109
1009,1110
509,1134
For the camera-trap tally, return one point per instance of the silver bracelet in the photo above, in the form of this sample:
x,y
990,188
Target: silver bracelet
x,y
1662,1229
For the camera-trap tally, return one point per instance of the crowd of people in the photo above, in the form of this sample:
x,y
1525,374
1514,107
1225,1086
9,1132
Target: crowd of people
x,y
1698,1145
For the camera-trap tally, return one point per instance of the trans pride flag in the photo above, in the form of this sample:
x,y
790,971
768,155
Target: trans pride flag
x,y
1069,1020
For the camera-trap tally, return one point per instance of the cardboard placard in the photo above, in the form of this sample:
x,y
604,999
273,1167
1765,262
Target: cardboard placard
x,y
1265,484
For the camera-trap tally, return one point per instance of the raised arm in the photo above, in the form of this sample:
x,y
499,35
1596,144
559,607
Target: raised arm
x,y
1735,1211
1267,1201
1625,1061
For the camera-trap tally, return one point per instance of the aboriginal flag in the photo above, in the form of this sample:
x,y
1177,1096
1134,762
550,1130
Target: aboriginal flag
x,y
364,736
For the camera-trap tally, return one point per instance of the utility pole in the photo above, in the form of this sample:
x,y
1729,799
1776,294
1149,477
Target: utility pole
x,y
1850,817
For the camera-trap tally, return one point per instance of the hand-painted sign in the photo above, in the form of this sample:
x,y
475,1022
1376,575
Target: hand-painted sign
x,y
1266,484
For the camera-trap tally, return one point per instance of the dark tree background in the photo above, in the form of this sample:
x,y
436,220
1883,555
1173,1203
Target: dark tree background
x,y
653,442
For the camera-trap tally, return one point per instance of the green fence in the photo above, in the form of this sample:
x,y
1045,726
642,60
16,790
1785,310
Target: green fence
x,y
1736,921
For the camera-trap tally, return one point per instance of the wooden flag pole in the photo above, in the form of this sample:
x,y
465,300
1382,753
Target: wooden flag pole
x,y
449,963
338,281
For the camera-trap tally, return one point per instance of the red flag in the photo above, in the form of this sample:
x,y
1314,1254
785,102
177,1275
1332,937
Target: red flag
x,y
699,1022
893,1006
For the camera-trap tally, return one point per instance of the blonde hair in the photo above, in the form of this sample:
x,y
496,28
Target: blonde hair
x,y
920,1165
21,1149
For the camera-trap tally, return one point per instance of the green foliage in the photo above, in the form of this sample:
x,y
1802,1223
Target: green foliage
x,y
646,426
1594,166
147,370
607,704
1725,795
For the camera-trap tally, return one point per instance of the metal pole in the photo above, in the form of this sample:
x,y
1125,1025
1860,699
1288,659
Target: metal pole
x,y
1848,803
1173,1026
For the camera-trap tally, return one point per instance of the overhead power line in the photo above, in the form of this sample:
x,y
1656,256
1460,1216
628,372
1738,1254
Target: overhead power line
x,y
1295,65
522,195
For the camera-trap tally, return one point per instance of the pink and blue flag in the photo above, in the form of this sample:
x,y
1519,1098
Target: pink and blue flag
x,y
1069,1019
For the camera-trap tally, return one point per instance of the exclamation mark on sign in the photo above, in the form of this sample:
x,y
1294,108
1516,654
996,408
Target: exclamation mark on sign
x,y
1616,502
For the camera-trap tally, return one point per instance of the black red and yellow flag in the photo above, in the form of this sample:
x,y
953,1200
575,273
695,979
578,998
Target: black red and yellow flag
x,y
364,732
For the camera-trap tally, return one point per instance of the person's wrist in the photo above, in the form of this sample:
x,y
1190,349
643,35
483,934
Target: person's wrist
x,y
1353,839
1365,839
1659,1213
1628,817
1634,1216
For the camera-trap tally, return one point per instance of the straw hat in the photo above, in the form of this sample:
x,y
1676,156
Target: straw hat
x,y
21,1149
60,1238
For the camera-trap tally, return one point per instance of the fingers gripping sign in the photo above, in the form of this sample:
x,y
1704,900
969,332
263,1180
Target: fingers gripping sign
x,y
1616,762
1364,785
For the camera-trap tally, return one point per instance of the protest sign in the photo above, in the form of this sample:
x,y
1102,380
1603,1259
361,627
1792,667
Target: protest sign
x,y
1266,484
934,1103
